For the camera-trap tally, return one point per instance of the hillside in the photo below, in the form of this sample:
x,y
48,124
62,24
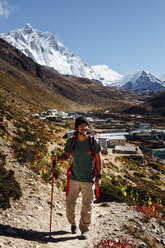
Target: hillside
x,y
19,83
31,86
25,146
157,104
154,107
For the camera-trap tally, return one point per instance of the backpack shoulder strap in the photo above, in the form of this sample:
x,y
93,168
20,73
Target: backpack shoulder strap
x,y
91,138
69,168
94,164
73,143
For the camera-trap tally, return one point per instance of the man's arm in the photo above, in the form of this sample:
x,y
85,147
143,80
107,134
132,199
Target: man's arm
x,y
98,162
61,158
99,168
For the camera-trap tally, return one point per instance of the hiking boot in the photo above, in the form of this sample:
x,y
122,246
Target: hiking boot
x,y
73,229
84,235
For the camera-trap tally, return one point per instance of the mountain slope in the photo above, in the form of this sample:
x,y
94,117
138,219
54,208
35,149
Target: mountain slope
x,y
33,86
20,84
106,75
162,78
46,50
140,80
153,107
157,104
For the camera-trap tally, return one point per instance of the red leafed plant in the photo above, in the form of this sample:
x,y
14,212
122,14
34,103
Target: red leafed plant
x,y
149,211
12,153
110,243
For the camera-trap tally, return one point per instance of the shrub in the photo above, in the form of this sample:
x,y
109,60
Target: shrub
x,y
155,176
9,116
64,183
57,171
150,211
1,118
110,190
2,129
155,165
23,153
117,189
107,243
139,174
9,187
47,176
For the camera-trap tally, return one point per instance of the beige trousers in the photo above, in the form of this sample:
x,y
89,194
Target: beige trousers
x,y
87,199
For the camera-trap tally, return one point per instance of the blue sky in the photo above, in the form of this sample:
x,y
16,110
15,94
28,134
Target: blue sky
x,y
126,35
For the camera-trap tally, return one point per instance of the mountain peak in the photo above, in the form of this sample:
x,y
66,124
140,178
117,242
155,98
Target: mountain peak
x,y
27,26
144,72
139,73
141,80
27,29
46,50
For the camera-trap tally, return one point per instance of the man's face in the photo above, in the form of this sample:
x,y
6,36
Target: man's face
x,y
82,129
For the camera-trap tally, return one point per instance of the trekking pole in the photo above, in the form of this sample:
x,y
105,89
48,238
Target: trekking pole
x,y
51,206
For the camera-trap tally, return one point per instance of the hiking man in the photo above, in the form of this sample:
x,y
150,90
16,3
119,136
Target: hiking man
x,y
81,174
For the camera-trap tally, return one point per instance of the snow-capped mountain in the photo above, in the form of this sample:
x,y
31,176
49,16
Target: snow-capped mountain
x,y
107,76
46,50
162,78
140,80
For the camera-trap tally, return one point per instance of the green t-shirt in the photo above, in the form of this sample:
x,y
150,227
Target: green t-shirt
x,y
82,159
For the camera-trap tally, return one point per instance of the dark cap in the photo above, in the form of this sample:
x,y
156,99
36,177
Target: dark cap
x,y
79,120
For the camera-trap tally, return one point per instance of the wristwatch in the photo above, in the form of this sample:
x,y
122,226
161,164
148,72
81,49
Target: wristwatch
x,y
99,176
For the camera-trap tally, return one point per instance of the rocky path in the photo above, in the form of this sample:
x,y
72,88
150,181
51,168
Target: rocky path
x,y
26,223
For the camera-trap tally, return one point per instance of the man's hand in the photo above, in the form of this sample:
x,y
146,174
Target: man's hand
x,y
54,157
60,158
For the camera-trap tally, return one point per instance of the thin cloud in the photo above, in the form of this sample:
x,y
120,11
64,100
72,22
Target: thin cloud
x,y
6,9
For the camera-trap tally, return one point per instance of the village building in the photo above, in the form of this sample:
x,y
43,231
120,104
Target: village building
x,y
159,155
103,143
141,125
72,115
116,140
140,132
90,119
126,149
132,152
160,132
51,111
108,140
116,131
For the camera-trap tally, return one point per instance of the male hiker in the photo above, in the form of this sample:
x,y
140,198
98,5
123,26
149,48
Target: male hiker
x,y
81,174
